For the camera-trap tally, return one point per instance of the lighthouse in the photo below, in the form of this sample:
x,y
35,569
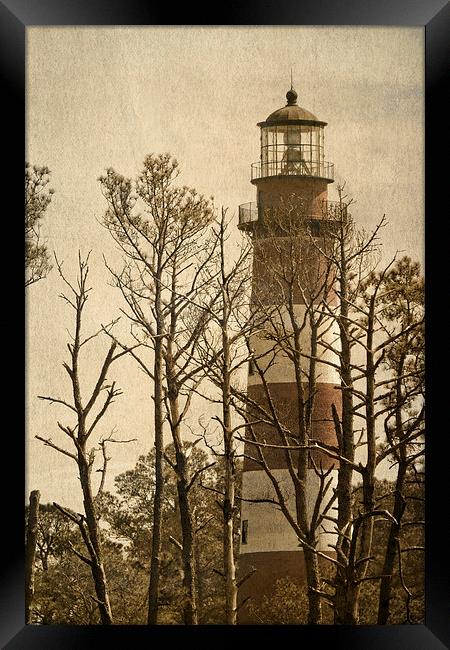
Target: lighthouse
x,y
291,180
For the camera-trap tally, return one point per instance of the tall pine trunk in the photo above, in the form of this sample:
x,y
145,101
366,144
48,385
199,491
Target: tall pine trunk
x,y
314,583
153,590
305,410
30,551
391,549
187,533
229,506
186,521
231,590
344,610
399,508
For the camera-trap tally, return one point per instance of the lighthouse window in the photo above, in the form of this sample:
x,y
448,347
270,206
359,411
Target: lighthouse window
x,y
245,531
315,227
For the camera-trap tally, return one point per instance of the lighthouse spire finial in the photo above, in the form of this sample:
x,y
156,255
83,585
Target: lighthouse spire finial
x,y
291,95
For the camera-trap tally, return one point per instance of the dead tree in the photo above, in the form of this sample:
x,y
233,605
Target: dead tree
x,y
223,352
189,313
79,431
345,260
30,551
375,340
364,342
351,256
166,254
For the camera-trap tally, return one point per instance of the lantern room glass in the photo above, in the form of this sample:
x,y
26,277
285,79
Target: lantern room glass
x,y
295,149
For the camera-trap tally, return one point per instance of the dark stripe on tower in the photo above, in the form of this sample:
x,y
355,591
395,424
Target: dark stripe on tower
x,y
270,567
284,396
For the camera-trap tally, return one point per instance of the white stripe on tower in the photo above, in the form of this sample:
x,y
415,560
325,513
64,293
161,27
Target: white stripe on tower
x,y
268,529
282,369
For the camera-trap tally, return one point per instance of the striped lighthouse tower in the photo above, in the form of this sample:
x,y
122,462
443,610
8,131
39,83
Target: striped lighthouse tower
x,y
291,169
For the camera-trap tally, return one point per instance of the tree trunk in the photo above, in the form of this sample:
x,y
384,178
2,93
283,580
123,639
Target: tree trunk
x,y
349,604
200,582
187,528
399,504
190,601
97,568
368,475
152,617
391,548
362,534
231,591
30,551
347,450
304,427
313,578
98,573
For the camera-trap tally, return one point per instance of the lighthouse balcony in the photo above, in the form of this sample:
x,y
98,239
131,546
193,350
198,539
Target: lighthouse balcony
x,y
250,214
312,169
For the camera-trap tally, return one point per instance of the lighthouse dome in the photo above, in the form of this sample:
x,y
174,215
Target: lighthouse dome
x,y
292,112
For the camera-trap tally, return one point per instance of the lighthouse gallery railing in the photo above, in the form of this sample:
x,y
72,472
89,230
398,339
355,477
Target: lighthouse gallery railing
x,y
250,212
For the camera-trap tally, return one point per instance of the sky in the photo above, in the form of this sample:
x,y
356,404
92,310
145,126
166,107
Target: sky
x,y
99,97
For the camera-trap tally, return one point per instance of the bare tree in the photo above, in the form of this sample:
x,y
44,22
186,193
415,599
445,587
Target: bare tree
x,y
166,254
374,340
352,257
364,344
37,200
223,352
79,431
30,551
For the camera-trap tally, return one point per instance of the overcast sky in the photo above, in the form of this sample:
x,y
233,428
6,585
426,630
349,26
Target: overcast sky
x,y
101,97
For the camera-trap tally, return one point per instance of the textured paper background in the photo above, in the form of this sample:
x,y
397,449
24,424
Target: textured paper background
x,y
99,97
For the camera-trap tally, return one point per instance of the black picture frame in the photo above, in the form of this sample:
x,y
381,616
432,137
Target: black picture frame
x,y
15,17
